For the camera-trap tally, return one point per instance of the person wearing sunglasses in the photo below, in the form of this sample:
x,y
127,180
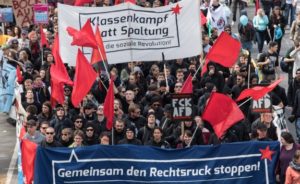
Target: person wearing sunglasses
x,y
49,141
90,134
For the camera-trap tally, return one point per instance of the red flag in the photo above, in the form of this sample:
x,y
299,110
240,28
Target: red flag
x,y
130,1
60,69
82,2
117,2
28,149
203,19
59,75
43,37
258,91
57,86
85,77
96,55
256,6
84,37
222,112
225,51
188,85
19,75
108,106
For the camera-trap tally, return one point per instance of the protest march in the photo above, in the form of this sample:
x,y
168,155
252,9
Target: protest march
x,y
152,91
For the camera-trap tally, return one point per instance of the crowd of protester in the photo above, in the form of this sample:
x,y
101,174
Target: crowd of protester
x,y
142,106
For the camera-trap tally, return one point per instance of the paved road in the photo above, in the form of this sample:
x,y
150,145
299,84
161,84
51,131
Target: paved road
x,y
7,144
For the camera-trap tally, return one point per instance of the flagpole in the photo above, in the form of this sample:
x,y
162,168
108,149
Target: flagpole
x,y
197,127
249,67
165,70
112,135
245,102
163,126
201,65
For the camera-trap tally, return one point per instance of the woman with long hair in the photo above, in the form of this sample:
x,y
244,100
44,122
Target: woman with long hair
x,y
277,22
287,152
260,23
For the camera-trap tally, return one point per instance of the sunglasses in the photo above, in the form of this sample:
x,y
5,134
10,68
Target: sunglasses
x,y
89,130
49,133
60,109
178,86
78,121
64,134
44,127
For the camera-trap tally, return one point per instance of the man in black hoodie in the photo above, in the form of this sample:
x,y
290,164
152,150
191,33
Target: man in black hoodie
x,y
130,137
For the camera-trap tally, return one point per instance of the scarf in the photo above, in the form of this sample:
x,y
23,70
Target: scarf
x,y
295,166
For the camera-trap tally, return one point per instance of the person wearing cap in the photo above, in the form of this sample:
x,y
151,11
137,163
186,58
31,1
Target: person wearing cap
x,y
32,134
89,112
262,134
24,41
49,141
130,137
60,121
91,138
14,44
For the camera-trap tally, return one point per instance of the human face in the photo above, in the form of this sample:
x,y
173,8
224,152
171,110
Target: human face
x,y
179,76
42,74
178,87
45,109
29,94
43,128
274,49
239,80
119,126
31,129
50,134
157,135
78,123
151,120
187,139
129,95
298,73
65,136
104,140
78,140
90,131
283,142
155,105
60,112
267,117
129,134
136,113
100,110
132,79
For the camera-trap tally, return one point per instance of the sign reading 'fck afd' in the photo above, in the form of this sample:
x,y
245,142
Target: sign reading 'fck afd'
x,y
133,33
183,107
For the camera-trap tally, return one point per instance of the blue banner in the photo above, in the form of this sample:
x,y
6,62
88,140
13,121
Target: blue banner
x,y
236,163
7,86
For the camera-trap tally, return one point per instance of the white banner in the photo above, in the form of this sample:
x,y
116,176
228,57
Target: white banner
x,y
133,33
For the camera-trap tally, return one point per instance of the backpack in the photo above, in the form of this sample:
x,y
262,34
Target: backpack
x,y
284,66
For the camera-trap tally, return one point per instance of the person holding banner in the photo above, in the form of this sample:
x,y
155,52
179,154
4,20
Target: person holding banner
x,y
157,139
